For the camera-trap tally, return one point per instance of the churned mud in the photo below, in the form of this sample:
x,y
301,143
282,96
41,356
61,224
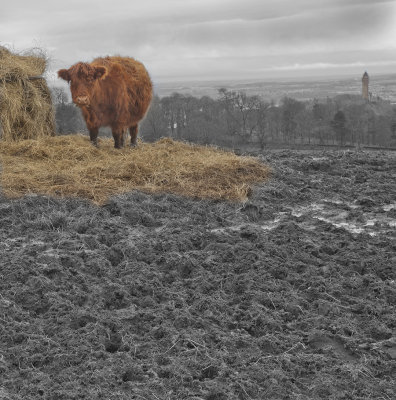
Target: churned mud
x,y
290,295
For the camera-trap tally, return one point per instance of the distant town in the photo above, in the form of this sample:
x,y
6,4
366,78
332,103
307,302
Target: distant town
x,y
379,86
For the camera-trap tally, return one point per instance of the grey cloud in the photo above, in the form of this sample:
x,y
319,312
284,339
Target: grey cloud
x,y
204,36
304,31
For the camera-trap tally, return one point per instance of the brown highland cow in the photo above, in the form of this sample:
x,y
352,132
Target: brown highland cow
x,y
111,91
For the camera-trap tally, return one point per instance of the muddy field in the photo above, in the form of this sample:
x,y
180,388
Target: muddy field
x,y
291,295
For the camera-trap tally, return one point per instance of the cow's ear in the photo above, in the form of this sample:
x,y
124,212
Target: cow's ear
x,y
64,74
100,72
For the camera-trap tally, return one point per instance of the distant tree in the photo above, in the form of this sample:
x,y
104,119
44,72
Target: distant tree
x,y
154,125
318,111
240,109
339,126
262,130
357,122
372,122
290,109
319,114
383,132
179,102
202,120
304,126
214,129
393,126
235,118
169,110
274,122
69,119
227,102
59,95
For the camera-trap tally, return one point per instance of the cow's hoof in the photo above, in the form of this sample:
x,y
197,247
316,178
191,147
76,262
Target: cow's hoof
x,y
133,145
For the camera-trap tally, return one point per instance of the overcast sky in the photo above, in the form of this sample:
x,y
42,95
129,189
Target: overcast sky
x,y
211,39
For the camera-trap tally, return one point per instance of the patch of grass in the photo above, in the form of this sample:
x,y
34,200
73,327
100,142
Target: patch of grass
x,y
69,166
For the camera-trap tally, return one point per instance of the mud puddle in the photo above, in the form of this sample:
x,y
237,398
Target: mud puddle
x,y
350,217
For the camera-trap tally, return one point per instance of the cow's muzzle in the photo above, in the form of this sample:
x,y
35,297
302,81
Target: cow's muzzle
x,y
81,100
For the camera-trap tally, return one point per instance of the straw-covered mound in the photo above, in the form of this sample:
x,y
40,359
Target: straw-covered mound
x,y
71,166
26,109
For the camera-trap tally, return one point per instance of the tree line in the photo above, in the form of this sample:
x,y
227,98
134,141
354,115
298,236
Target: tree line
x,y
235,119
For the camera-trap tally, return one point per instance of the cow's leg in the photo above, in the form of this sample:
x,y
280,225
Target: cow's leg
x,y
92,125
123,134
93,135
118,135
133,131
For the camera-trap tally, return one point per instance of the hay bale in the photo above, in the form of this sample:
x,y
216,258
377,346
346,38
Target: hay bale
x,y
70,166
26,110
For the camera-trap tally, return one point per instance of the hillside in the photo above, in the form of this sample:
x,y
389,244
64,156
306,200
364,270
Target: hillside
x,y
289,295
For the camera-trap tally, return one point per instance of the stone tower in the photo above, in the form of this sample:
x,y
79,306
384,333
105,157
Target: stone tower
x,y
365,86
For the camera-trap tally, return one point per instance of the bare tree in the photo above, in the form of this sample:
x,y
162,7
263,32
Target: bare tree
x,y
59,95
154,125
240,110
290,110
339,126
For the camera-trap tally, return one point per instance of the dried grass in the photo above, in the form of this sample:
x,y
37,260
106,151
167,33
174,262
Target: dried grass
x,y
71,166
26,109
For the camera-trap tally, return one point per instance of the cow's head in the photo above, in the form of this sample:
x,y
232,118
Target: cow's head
x,y
82,78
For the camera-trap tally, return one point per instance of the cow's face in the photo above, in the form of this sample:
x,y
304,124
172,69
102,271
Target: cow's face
x,y
82,78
